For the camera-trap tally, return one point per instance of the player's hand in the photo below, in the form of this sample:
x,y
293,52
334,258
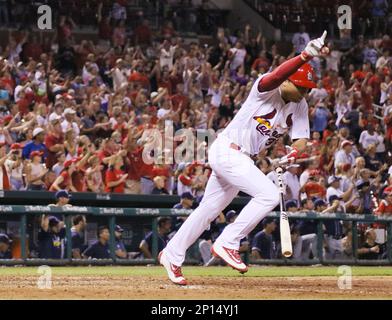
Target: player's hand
x,y
375,249
291,156
315,48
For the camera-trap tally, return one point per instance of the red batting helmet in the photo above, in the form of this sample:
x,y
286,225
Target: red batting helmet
x,y
304,77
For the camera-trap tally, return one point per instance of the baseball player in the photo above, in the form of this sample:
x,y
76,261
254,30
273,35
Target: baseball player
x,y
275,106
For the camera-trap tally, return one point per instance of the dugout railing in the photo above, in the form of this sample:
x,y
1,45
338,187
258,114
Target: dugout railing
x,y
21,213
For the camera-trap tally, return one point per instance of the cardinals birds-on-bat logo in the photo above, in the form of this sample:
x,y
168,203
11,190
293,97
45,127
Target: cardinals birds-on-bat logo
x,y
264,120
265,126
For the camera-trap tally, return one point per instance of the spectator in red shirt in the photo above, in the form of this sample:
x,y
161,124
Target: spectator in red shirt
x,y
79,175
32,49
105,29
54,141
64,180
143,34
94,175
375,82
115,176
185,181
66,24
385,206
388,123
361,74
367,93
168,30
161,169
261,64
4,182
314,188
119,34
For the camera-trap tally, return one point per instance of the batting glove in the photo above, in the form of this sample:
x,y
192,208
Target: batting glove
x,y
290,157
314,48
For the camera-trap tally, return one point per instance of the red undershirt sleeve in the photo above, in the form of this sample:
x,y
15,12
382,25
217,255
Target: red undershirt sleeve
x,y
274,79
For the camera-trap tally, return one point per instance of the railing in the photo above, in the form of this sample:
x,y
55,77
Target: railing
x,y
101,199
113,213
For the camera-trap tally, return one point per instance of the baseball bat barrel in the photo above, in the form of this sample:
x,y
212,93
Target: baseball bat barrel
x,y
285,235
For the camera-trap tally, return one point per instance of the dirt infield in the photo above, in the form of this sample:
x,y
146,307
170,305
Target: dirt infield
x,y
141,287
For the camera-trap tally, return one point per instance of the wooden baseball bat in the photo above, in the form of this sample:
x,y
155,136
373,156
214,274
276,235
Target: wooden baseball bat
x,y
285,235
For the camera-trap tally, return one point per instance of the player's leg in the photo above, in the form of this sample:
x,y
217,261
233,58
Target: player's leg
x,y
307,243
297,248
329,248
217,196
314,245
337,249
265,197
205,251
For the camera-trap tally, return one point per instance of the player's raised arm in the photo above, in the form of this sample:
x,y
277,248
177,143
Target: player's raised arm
x,y
274,79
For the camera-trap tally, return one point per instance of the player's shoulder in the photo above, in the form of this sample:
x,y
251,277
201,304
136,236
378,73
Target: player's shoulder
x,y
256,86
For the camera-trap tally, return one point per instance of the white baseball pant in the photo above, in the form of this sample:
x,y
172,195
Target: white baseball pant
x,y
233,171
205,251
303,246
335,247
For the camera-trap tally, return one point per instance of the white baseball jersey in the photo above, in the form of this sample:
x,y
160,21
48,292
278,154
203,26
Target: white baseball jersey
x,y
264,118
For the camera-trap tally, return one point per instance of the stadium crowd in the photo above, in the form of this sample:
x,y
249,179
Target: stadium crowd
x,y
368,16
75,116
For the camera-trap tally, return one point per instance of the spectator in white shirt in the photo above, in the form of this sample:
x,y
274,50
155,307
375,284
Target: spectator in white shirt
x,y
368,137
383,60
317,94
24,86
380,146
14,166
300,39
386,89
119,12
119,74
238,55
312,170
335,190
216,93
59,166
370,54
345,154
167,55
291,180
69,115
333,59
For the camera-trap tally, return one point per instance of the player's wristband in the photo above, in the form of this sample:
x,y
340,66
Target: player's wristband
x,y
306,56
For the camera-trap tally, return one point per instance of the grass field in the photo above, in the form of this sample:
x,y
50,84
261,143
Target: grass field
x,y
268,271
269,282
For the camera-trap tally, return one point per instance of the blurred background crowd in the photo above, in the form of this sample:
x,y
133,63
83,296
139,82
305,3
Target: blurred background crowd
x,y
74,112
